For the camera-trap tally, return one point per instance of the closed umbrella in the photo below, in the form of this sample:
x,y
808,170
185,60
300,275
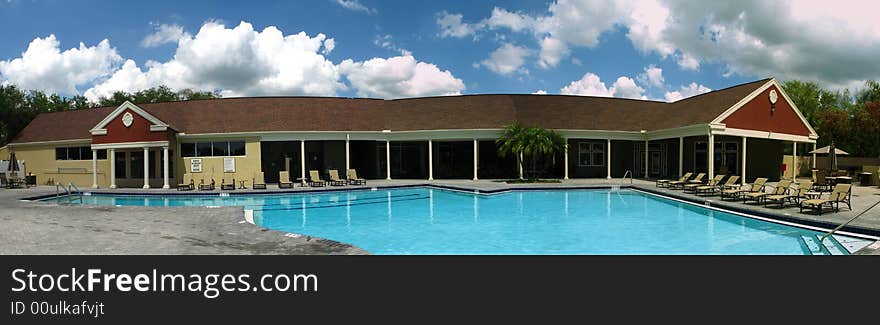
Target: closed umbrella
x,y
12,168
832,158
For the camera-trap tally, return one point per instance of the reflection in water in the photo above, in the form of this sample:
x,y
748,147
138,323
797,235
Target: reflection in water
x,y
348,211
304,212
476,209
431,206
389,206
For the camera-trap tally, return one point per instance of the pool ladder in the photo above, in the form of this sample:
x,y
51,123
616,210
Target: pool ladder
x,y
70,189
616,187
828,235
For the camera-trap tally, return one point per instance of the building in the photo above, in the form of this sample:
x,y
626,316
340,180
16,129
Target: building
x,y
152,145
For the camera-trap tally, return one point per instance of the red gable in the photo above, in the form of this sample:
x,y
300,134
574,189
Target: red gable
x,y
137,131
757,115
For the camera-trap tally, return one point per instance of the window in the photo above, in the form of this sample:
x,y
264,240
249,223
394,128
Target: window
x,y
213,149
78,153
591,154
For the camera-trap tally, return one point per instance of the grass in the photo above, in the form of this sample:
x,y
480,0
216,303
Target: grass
x,y
532,181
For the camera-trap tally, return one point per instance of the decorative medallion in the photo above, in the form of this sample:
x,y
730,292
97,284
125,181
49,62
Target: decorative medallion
x,y
773,96
127,119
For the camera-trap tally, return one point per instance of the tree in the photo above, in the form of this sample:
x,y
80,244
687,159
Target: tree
x,y
534,144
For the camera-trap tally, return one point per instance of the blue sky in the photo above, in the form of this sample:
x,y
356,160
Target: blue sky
x,y
411,48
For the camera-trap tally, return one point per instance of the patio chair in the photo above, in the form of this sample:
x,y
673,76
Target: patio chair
x,y
352,178
227,182
712,182
3,181
842,193
759,197
284,179
665,182
799,193
315,179
734,193
206,186
712,189
821,184
186,183
334,178
680,184
258,182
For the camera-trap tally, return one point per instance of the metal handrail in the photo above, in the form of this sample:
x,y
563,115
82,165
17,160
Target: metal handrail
x,y
70,193
628,172
822,246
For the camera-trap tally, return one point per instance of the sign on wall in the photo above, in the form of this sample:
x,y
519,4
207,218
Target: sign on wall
x,y
228,164
195,165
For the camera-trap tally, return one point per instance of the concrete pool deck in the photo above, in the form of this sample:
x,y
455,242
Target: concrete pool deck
x,y
48,228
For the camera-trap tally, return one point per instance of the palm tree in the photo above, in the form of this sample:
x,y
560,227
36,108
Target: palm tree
x,y
534,143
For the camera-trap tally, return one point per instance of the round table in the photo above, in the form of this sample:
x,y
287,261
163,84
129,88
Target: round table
x,y
813,195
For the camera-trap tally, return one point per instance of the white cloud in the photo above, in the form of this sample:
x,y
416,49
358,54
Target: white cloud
x,y
552,51
355,5
513,20
387,42
653,76
540,92
591,85
164,34
507,59
329,45
451,25
686,91
688,62
43,66
400,76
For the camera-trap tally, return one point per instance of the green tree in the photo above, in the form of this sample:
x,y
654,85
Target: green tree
x,y
532,144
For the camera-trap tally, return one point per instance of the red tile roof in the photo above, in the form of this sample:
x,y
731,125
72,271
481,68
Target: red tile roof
x,y
256,114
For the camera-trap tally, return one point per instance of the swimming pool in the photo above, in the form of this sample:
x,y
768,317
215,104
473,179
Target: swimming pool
x,y
428,220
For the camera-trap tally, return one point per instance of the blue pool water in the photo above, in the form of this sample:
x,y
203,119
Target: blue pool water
x,y
423,220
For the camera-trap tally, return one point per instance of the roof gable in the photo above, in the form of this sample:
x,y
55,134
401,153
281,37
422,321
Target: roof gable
x,y
756,112
156,123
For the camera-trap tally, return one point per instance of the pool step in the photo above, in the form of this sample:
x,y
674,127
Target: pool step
x,y
831,246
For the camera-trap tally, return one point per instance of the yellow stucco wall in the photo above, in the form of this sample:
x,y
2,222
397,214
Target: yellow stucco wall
x,y
212,167
40,161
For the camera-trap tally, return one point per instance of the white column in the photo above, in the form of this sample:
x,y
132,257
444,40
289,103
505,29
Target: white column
x,y
711,151
744,159
388,159
609,159
476,157
680,156
519,164
347,154
112,158
430,160
814,156
146,167
165,168
302,162
794,166
94,168
566,160
646,158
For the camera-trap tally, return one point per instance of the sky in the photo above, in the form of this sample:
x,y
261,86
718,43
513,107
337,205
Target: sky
x,y
662,50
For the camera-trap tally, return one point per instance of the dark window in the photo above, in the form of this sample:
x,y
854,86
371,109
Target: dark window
x,y
120,165
203,149
85,153
73,153
102,154
188,149
236,148
591,154
221,148
60,153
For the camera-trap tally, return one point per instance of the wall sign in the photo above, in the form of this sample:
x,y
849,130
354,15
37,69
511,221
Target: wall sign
x,y
228,164
195,165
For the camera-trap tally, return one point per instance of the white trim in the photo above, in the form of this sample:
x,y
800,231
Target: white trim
x,y
101,127
754,94
53,142
763,135
128,145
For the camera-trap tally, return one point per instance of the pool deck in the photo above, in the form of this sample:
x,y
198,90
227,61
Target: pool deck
x,y
47,228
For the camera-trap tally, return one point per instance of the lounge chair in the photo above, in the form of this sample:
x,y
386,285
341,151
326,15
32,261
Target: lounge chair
x,y
334,178
3,181
665,182
821,184
206,186
284,180
315,179
799,193
227,182
735,193
841,194
258,182
780,189
712,182
352,178
711,189
187,183
681,184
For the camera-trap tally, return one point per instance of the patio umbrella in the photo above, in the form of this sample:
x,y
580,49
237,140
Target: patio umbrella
x,y
832,158
826,149
13,163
